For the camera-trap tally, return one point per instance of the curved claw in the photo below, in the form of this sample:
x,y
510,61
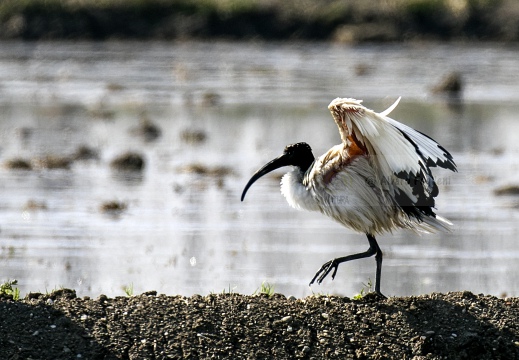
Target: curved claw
x,y
323,272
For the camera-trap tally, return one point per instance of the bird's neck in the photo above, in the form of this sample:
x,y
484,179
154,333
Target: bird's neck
x,y
306,164
296,193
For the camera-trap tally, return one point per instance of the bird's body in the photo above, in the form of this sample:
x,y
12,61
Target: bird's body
x,y
353,196
377,180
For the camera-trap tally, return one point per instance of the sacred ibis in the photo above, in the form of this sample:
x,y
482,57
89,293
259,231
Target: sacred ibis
x,y
379,179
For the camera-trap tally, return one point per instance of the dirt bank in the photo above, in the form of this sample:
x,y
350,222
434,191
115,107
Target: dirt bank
x,y
222,326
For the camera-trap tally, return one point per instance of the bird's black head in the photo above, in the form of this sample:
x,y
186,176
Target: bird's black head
x,y
299,155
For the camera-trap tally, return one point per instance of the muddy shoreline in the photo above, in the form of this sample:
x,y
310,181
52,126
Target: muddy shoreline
x,y
457,325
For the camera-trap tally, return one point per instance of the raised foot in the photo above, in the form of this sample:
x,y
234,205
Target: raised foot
x,y
325,270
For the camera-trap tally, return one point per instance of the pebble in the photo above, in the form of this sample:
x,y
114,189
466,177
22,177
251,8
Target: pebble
x,y
325,315
306,349
286,318
84,317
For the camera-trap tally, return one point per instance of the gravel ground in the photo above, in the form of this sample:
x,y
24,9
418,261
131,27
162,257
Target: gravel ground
x,y
457,325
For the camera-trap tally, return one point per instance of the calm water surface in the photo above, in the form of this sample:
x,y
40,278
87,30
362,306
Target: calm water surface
x,y
186,233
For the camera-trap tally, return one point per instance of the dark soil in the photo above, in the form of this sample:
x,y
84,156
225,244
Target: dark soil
x,y
457,325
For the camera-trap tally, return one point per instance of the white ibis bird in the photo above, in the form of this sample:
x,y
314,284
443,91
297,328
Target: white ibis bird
x,y
379,179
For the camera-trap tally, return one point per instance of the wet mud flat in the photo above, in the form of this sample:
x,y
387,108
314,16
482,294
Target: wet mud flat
x,y
457,325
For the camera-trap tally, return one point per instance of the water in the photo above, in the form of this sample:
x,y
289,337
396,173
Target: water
x,y
186,233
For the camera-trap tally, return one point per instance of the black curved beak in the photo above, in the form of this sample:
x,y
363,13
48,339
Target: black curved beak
x,y
272,165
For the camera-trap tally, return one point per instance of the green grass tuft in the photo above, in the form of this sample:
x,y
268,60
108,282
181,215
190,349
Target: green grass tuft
x,y
128,290
265,288
366,288
7,289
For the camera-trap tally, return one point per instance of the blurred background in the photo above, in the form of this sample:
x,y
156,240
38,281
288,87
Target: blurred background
x,y
128,130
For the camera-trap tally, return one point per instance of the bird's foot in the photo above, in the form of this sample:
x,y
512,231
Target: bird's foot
x,y
375,295
325,270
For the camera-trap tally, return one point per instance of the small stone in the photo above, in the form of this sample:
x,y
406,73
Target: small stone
x,y
286,318
52,326
325,315
49,302
306,349
84,317
289,328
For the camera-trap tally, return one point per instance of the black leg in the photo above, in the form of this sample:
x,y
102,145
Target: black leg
x,y
378,257
374,249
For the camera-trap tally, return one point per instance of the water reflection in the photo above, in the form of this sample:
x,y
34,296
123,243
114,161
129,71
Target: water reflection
x,y
187,231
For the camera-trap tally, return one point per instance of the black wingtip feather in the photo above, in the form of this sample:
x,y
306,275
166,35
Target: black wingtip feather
x,y
423,186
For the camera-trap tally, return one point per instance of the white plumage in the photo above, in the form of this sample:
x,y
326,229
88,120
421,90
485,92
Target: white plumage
x,y
377,180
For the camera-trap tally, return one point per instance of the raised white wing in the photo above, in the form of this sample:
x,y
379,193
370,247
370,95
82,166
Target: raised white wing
x,y
396,150
397,147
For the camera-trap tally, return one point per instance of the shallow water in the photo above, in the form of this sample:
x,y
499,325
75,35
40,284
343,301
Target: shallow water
x,y
185,233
